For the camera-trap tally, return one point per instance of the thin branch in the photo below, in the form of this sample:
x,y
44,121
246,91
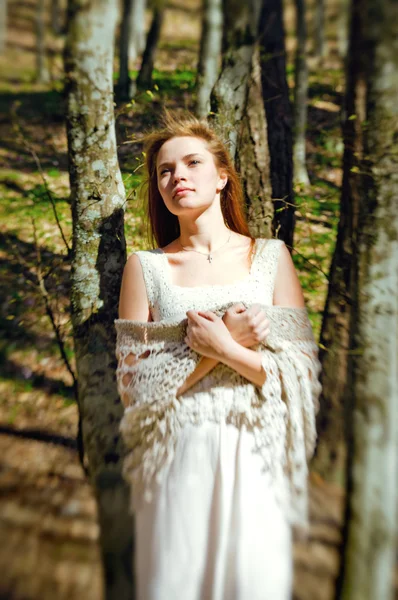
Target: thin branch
x,y
17,128
49,311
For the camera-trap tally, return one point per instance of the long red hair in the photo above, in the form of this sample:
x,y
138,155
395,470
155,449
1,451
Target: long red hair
x,y
163,226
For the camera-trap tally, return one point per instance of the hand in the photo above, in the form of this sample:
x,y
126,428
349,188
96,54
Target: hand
x,y
207,334
247,326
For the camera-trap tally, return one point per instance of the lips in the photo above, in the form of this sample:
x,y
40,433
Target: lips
x,y
182,189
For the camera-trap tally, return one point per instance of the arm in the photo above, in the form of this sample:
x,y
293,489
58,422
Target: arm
x,y
246,326
133,300
133,305
287,292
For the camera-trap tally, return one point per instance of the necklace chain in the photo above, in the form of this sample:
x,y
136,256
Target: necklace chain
x,y
208,254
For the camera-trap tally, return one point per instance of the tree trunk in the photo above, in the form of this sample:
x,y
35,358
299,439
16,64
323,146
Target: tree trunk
x,y
99,254
136,42
342,25
229,95
144,79
41,67
330,455
279,117
300,98
124,78
320,48
252,159
55,17
3,25
371,525
209,55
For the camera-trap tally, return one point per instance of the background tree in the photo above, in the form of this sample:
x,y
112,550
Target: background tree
x,y
252,158
300,97
236,102
136,43
209,54
279,116
371,525
330,455
3,24
320,46
228,97
342,25
99,253
41,66
144,79
124,42
56,17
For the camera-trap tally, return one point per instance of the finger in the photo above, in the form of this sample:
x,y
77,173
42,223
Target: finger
x,y
254,309
207,314
257,320
239,307
262,333
193,316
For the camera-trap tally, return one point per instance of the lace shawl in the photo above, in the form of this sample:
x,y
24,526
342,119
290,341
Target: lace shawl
x,y
154,361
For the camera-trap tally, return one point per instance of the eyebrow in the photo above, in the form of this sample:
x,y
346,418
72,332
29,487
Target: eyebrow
x,y
187,156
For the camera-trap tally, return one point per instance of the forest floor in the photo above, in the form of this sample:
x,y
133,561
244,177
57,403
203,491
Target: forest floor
x,y
48,520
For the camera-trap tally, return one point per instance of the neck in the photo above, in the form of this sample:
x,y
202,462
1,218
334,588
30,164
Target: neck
x,y
205,233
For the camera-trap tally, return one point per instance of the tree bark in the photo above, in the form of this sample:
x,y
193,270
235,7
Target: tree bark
x,y
56,17
330,455
342,24
99,254
229,95
3,25
252,160
320,47
124,77
209,55
144,79
136,42
371,512
41,67
300,98
279,117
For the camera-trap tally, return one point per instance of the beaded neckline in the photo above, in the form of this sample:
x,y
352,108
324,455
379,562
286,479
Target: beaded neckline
x,y
246,278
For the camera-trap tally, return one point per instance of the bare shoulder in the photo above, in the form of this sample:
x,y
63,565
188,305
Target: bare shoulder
x,y
287,289
133,301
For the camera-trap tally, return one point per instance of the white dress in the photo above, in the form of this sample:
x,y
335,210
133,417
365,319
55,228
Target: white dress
x,y
213,529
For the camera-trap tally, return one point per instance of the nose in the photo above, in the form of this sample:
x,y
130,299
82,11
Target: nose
x,y
179,175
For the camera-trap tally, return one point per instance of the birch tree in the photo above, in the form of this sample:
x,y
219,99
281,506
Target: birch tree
x,y
136,27
209,54
300,97
56,17
99,253
3,24
371,530
320,48
42,74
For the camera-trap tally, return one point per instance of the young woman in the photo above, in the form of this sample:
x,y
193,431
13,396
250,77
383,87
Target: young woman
x,y
220,425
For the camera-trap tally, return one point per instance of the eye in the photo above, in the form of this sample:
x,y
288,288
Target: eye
x,y
164,171
194,162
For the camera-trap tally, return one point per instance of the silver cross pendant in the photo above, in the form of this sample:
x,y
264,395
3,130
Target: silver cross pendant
x,y
209,258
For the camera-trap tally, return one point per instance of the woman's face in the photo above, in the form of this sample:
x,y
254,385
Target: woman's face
x,y
187,175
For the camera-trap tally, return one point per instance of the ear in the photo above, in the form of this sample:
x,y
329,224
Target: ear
x,y
223,179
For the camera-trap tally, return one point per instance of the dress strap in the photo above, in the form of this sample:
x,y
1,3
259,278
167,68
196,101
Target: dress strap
x,y
268,258
148,265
